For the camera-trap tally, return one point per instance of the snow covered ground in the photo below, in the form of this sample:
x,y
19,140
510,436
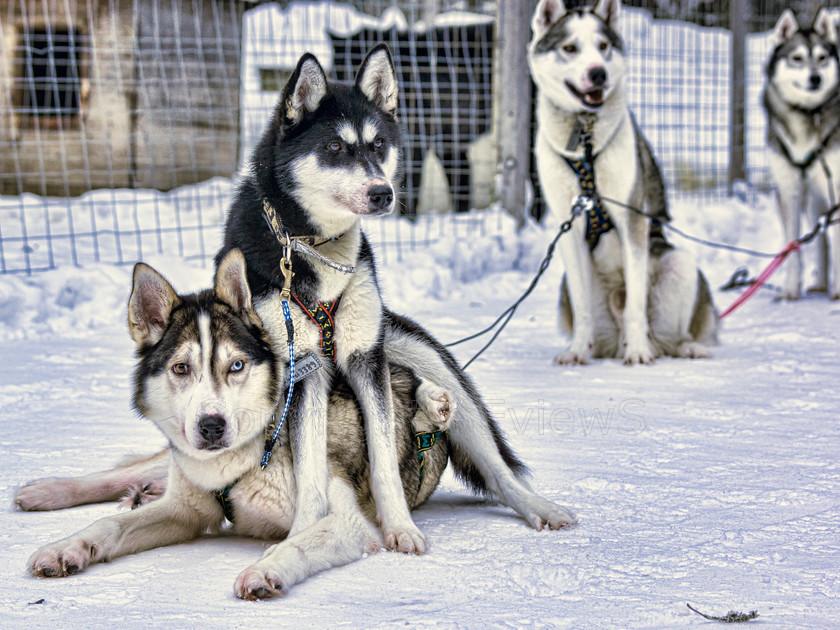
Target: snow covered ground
x,y
714,482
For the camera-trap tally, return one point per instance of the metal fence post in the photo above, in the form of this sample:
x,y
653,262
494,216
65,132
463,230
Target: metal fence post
x,y
514,87
738,17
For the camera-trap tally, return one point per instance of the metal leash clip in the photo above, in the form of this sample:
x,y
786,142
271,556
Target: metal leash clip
x,y
582,205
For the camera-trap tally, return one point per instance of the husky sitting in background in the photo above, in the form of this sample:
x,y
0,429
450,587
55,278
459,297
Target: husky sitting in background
x,y
626,292
802,101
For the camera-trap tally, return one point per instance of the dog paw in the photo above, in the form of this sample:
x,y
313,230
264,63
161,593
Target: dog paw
x,y
436,403
255,583
545,513
61,559
405,539
818,289
51,493
692,350
139,494
570,357
635,356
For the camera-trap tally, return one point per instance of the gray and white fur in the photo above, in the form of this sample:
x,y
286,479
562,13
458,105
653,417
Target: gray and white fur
x,y
633,296
802,102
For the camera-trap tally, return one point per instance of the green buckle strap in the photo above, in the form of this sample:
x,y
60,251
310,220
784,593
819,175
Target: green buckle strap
x,y
425,441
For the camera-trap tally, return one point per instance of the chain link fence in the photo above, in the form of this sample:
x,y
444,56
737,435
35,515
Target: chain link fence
x,y
124,122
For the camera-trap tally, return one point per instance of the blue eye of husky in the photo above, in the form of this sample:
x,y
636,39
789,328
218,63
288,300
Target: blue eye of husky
x,y
334,146
378,143
237,366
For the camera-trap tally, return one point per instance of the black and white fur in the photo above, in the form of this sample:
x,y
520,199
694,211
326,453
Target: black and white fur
x,y
802,102
205,363
319,190
212,347
633,296
329,157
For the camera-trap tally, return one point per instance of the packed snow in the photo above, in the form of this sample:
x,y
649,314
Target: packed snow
x,y
712,481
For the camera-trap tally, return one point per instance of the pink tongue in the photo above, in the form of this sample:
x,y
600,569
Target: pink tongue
x,y
595,97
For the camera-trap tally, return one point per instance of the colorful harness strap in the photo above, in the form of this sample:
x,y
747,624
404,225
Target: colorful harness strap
x,y
322,314
598,220
222,496
425,441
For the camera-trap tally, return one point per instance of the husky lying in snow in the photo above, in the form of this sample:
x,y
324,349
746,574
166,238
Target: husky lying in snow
x,y
802,101
627,292
204,361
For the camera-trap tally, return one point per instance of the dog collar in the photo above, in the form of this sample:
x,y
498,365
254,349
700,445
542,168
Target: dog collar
x,y
301,244
276,227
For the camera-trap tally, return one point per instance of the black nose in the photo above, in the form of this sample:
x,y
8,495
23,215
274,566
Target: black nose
x,y
380,197
598,75
211,428
814,81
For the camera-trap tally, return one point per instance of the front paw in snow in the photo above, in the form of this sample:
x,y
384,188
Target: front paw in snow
x,y
61,559
406,538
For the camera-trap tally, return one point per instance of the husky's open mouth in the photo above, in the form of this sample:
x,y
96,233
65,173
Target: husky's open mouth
x,y
593,98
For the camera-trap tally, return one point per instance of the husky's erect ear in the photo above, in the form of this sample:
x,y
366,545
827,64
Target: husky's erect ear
x,y
825,27
609,11
547,13
377,79
305,90
786,27
150,305
232,288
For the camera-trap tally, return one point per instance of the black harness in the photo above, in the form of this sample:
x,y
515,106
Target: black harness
x,y
590,204
598,220
811,158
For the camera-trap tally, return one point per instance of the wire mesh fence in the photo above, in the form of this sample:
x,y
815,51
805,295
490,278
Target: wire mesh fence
x,y
123,122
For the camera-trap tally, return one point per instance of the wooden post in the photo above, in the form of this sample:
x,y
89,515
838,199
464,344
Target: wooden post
x,y
739,13
514,87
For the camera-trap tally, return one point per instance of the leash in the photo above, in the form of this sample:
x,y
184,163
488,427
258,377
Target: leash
x,y
285,295
577,209
584,205
304,245
823,221
793,246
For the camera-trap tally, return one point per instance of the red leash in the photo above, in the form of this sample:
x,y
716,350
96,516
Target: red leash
x,y
763,276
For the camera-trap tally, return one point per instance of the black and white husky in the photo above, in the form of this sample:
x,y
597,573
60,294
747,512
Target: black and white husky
x,y
328,158
205,362
802,101
206,376
627,292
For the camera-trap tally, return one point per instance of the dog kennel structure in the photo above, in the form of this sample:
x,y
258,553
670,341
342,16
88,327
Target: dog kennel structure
x,y
117,94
